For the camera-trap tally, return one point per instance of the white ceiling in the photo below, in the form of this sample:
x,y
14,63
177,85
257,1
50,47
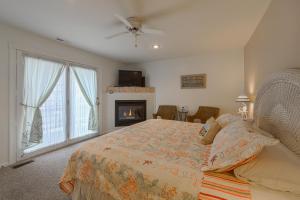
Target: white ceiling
x,y
191,26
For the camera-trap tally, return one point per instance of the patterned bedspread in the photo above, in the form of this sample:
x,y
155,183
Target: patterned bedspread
x,y
156,159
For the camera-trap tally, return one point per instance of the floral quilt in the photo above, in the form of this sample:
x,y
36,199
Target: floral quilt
x,y
155,159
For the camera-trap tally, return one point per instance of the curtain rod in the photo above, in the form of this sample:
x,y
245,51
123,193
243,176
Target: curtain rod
x,y
54,59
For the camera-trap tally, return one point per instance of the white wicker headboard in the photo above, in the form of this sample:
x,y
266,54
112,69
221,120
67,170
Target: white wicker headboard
x,y
277,108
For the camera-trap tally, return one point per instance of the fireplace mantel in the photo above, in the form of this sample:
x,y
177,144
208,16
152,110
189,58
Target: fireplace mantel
x,y
112,90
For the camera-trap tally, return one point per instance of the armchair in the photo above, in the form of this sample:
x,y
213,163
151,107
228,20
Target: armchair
x,y
204,113
166,112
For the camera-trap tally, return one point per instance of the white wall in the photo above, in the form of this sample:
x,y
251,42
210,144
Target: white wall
x,y
224,80
275,44
9,36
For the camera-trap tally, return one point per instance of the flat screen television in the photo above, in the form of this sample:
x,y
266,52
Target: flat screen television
x,y
130,78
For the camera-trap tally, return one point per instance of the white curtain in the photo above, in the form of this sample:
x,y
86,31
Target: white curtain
x,y
40,78
87,81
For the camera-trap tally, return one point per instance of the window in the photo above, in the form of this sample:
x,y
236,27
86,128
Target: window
x,y
59,104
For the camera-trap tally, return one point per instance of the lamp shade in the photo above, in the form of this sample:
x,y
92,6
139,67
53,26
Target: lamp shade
x,y
242,98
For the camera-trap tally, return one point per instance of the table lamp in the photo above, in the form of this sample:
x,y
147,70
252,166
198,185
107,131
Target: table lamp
x,y
243,109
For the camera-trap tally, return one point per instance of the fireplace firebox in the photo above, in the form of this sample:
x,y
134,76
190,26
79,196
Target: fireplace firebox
x,y
128,112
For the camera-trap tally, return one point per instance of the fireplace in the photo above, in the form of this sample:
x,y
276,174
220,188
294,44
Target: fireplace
x,y
128,112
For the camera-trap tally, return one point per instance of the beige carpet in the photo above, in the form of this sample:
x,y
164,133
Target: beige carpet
x,y
37,180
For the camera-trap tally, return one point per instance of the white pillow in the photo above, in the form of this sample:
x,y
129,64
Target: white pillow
x,y
227,118
265,133
276,167
235,145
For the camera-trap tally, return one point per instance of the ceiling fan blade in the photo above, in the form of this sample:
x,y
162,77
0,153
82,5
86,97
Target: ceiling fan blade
x,y
123,20
152,31
116,35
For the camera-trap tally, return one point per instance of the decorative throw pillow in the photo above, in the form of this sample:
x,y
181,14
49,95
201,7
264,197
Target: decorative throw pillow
x,y
209,131
206,126
227,118
235,145
276,167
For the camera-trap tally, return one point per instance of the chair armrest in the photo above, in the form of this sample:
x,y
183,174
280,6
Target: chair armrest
x,y
154,115
193,118
190,118
198,121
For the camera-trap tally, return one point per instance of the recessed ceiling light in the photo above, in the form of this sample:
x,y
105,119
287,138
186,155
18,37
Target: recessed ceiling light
x,y
156,46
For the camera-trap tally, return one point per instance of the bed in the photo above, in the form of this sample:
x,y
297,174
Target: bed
x,y
151,160
161,159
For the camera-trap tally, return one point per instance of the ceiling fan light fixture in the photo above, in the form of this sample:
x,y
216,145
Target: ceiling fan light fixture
x,y
135,27
155,46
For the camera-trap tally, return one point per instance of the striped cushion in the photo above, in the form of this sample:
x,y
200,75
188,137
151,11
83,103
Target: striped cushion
x,y
67,187
216,186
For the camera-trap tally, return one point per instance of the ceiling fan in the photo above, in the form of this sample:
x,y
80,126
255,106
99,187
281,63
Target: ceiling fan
x,y
134,26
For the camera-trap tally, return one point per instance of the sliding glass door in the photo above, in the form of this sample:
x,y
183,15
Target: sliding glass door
x,y
58,104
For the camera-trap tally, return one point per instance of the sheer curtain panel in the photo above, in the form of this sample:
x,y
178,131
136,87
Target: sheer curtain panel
x,y
40,78
87,82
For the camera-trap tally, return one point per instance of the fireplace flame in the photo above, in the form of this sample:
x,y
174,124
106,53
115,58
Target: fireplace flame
x,y
129,114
